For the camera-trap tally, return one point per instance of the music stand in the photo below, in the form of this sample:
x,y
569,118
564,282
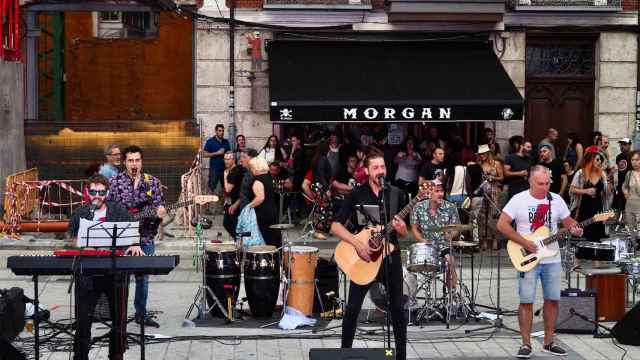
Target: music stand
x,y
113,235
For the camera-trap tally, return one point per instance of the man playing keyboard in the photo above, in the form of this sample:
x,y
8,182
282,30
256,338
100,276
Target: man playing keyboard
x,y
89,288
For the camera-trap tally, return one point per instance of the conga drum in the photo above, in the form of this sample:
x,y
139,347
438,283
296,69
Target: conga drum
x,y
300,263
610,295
222,268
262,279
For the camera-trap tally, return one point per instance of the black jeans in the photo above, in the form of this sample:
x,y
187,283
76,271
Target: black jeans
x,y
88,290
229,222
356,297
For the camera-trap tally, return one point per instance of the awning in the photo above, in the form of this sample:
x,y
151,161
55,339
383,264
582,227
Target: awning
x,y
361,81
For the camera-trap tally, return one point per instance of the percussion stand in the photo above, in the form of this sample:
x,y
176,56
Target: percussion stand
x,y
497,323
200,299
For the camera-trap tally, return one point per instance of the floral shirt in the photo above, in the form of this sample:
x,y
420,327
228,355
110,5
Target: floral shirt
x,y
147,195
446,214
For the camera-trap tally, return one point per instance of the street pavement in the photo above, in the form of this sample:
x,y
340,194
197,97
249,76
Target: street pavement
x,y
171,295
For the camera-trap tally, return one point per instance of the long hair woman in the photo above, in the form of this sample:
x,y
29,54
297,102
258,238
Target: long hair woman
x,y
631,191
589,193
487,215
574,151
272,151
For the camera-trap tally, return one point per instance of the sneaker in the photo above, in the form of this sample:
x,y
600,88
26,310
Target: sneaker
x,y
524,352
554,349
148,322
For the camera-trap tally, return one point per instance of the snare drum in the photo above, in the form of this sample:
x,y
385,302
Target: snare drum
x,y
620,243
300,263
630,266
262,279
595,251
423,258
222,268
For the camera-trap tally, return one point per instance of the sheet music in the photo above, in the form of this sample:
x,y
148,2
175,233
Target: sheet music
x,y
99,233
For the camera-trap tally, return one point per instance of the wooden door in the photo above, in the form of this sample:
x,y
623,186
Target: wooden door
x,y
560,87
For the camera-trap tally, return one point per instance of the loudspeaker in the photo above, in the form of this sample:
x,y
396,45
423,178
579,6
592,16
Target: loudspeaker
x,y
582,302
352,354
327,280
627,330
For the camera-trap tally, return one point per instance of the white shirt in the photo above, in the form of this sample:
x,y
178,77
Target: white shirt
x,y
458,187
523,208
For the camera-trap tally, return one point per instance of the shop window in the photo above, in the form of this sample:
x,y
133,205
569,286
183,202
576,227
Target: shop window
x,y
126,25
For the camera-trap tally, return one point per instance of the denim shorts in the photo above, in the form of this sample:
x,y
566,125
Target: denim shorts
x,y
550,275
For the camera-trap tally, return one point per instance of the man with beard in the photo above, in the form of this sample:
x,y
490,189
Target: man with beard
x,y
139,192
233,175
89,288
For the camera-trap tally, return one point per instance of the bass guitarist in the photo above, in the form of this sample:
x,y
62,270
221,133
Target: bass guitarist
x,y
138,191
363,199
532,209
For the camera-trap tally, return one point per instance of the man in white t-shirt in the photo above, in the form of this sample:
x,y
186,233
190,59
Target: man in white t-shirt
x,y
532,209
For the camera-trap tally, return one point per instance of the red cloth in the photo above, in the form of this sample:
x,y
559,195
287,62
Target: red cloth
x,y
540,217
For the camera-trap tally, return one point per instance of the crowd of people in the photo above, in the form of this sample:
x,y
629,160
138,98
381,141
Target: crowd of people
x,y
482,177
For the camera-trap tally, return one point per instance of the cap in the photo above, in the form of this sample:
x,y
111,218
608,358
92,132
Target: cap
x,y
625,141
545,146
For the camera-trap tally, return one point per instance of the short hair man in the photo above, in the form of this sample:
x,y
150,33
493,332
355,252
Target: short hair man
x,y
113,157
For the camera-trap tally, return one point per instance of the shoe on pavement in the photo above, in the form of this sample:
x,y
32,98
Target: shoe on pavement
x,y
554,349
524,352
148,322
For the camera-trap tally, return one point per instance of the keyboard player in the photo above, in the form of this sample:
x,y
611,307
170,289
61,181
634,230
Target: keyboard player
x,y
89,288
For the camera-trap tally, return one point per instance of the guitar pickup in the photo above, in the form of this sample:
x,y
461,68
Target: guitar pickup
x,y
528,261
524,252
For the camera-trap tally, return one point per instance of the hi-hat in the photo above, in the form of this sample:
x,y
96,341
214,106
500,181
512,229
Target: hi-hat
x,y
451,227
281,226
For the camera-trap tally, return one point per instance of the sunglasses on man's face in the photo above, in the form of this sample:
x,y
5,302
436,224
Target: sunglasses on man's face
x,y
93,192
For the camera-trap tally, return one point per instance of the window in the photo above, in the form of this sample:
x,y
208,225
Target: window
x,y
124,25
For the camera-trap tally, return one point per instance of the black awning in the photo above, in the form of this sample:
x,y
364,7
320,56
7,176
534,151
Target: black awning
x,y
312,81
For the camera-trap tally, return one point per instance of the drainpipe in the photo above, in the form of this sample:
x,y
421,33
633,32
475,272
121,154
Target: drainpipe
x,y
637,127
232,96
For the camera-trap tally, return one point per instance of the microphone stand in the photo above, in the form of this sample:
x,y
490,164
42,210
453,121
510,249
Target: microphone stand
x,y
497,323
387,258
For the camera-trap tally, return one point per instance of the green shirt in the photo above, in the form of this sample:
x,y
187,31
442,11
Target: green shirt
x,y
446,214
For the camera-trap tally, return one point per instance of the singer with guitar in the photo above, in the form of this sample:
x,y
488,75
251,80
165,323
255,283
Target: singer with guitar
x,y
531,210
139,192
89,288
363,199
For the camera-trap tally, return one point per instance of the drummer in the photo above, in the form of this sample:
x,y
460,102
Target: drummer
x,y
427,219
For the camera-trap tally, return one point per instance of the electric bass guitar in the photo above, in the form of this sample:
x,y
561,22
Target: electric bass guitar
x,y
360,271
524,261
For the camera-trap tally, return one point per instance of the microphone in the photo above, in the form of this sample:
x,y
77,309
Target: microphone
x,y
381,181
480,188
92,210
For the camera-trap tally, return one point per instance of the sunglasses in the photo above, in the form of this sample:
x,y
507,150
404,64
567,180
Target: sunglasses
x,y
598,158
97,192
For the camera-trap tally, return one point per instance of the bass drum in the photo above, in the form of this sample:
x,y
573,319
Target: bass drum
x,y
378,293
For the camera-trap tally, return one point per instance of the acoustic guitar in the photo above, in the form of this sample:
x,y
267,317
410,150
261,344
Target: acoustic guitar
x,y
524,261
360,271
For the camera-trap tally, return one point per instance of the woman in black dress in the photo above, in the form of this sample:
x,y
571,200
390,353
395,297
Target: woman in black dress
x,y
264,201
589,192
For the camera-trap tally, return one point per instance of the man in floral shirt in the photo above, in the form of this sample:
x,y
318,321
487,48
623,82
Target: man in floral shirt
x,y
138,191
434,213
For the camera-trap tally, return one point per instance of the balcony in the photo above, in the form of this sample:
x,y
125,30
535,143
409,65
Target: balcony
x,y
568,5
318,4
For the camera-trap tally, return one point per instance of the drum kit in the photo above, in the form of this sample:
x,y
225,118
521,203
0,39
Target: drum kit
x,y
425,269
264,269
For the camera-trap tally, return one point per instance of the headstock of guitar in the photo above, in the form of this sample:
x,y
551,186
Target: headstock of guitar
x,y
205,199
604,216
424,190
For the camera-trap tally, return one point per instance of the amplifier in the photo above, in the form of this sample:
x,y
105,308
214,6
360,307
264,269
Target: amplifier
x,y
582,302
352,354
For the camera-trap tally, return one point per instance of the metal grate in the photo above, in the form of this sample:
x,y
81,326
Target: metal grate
x,y
75,151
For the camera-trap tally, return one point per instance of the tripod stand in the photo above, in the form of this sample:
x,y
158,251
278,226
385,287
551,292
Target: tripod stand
x,y
200,299
498,322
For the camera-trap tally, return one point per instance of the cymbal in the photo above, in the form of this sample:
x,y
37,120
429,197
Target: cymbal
x,y
463,244
451,227
281,226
